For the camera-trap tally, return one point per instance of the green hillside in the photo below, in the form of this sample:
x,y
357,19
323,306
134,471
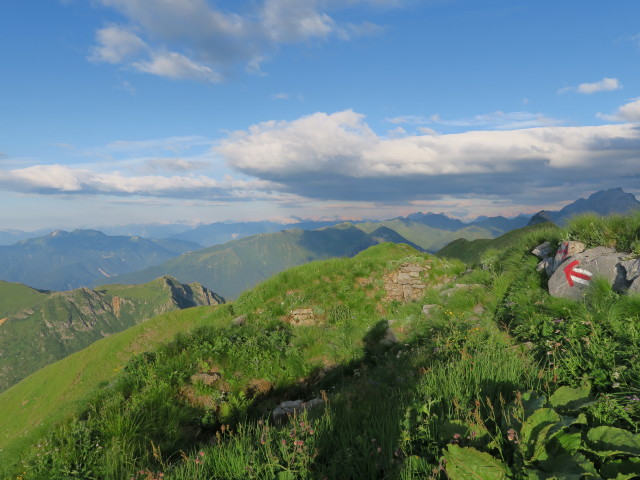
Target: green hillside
x,y
40,328
238,265
417,367
429,238
53,392
16,296
472,251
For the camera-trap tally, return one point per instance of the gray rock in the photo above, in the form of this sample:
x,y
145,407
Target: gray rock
x,y
635,286
285,410
239,321
543,250
426,309
632,267
566,250
572,277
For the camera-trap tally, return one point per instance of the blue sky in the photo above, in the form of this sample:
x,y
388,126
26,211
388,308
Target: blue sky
x,y
134,111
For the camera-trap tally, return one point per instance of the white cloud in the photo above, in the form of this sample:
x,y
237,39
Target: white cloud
x,y
178,67
194,39
629,112
604,85
295,20
116,44
338,156
60,179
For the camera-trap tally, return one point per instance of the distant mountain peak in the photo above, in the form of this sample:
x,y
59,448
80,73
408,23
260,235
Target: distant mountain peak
x,y
602,202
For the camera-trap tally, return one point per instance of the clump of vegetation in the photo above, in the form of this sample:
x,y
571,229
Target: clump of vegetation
x,y
485,376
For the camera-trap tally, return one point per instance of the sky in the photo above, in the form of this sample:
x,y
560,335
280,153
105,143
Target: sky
x,y
195,111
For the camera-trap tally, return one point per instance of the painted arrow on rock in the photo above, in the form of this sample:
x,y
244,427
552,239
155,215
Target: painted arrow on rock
x,y
578,275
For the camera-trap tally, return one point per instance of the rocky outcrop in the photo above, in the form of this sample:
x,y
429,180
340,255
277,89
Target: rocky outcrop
x,y
573,268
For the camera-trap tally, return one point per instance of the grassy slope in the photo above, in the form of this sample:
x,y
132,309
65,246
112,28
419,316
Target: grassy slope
x,y
429,238
53,392
235,266
56,390
65,322
392,410
15,297
472,251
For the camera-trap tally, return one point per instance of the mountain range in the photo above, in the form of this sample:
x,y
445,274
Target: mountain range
x,y
252,251
39,327
603,203
65,260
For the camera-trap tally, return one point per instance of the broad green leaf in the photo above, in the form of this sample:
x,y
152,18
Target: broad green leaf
x,y
535,431
567,398
569,467
612,441
621,469
470,464
532,401
564,443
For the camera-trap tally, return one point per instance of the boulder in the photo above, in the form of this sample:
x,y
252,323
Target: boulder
x,y
282,412
543,250
573,275
239,321
632,267
566,250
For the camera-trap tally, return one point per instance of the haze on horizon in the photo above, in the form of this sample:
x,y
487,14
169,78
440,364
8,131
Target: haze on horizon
x,y
196,111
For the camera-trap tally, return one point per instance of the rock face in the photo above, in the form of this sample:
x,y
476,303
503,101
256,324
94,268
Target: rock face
x,y
574,274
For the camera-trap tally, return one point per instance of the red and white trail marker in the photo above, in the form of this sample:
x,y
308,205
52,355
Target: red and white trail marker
x,y
577,275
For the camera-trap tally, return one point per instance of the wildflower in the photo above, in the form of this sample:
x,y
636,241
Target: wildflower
x,y
201,453
311,431
298,443
284,442
615,385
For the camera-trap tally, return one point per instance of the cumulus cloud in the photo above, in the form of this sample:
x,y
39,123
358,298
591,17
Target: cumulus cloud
x,y
337,156
61,179
604,85
194,39
629,112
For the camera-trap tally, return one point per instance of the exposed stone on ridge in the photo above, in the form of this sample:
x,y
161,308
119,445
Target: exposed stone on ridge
x,y
543,250
572,277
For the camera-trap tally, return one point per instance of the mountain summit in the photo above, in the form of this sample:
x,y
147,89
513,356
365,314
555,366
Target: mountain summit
x,y
604,202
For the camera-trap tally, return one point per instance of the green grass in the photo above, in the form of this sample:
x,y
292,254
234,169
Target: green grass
x,y
455,378
56,391
15,297
44,328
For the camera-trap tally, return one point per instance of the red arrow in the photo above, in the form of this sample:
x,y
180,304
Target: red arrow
x,y
578,273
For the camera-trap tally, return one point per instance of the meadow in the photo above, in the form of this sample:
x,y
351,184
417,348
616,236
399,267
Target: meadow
x,y
484,376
